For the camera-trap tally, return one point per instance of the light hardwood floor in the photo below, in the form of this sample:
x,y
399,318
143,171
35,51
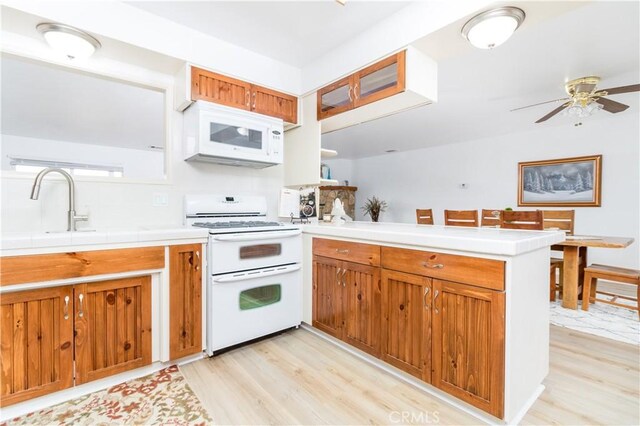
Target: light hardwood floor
x,y
299,378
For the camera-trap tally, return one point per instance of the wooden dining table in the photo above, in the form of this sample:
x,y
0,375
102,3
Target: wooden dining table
x,y
574,250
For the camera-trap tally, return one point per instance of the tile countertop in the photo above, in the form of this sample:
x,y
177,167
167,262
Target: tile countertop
x,y
25,242
493,241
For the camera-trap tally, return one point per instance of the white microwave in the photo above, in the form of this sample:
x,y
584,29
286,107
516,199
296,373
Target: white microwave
x,y
219,134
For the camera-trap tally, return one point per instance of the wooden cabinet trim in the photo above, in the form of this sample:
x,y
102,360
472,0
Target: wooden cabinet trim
x,y
185,300
366,254
58,266
481,272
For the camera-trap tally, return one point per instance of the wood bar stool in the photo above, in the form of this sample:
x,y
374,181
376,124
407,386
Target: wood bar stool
x,y
461,217
594,272
490,217
424,216
562,220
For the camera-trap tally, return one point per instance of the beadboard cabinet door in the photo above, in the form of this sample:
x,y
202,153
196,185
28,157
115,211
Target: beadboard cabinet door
x,y
361,284
185,304
468,344
36,343
112,327
328,305
218,88
274,104
406,312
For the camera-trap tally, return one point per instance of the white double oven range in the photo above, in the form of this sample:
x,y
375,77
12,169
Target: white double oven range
x,y
254,277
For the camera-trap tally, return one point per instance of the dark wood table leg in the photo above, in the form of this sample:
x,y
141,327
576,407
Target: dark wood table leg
x,y
570,277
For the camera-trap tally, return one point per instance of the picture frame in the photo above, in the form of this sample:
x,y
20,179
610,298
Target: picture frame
x,y
564,182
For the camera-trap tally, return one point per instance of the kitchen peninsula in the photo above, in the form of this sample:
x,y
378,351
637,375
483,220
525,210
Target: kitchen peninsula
x,y
462,309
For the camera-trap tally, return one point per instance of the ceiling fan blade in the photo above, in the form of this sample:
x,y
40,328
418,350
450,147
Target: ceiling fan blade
x,y
622,89
611,106
552,113
541,103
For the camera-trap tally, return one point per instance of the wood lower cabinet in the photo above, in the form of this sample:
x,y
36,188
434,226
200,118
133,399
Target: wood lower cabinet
x,y
104,327
185,305
406,313
36,343
468,344
347,302
112,327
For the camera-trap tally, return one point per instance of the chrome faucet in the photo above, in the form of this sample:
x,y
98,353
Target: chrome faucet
x,y
72,217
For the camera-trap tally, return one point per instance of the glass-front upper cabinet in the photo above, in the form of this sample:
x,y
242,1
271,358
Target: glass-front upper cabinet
x,y
335,98
380,80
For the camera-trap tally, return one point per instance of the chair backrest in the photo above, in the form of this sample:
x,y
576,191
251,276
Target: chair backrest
x,y
490,217
530,219
561,219
424,216
461,217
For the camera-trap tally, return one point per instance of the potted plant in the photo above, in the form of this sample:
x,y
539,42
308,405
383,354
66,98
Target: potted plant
x,y
373,206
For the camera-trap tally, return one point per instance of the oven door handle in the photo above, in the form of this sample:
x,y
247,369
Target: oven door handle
x,y
245,276
254,236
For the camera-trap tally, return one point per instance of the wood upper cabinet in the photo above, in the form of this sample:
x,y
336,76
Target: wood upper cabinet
x,y
36,343
468,344
381,80
220,89
346,302
112,327
275,104
185,295
406,313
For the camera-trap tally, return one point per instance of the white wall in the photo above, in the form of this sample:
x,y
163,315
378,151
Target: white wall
x,y
137,163
430,178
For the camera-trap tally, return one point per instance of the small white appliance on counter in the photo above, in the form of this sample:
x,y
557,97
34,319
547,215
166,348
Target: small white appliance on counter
x,y
254,277
219,134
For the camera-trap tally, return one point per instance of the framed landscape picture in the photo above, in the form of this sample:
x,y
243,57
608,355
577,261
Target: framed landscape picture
x,y
566,182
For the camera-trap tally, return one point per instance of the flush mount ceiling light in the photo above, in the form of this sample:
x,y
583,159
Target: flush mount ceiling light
x,y
71,41
493,27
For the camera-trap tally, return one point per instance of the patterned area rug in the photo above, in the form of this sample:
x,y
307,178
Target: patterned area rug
x,y
160,398
601,319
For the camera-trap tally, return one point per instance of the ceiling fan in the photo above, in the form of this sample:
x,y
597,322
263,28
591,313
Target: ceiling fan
x,y
584,98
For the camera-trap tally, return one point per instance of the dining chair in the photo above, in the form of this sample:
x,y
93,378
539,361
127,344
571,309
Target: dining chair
x,y
562,220
461,217
424,216
490,217
594,272
524,219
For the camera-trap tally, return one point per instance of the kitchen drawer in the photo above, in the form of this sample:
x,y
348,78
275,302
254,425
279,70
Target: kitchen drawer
x,y
366,254
486,273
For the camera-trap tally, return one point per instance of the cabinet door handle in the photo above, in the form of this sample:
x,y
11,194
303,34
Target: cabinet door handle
x,y
66,307
197,267
355,91
254,101
349,94
344,282
248,98
435,303
433,265
80,298
338,275
424,298
342,251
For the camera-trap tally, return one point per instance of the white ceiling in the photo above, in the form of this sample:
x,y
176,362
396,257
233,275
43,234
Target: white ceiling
x,y
50,102
478,88
295,33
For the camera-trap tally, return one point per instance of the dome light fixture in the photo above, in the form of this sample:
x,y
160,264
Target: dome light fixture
x,y
493,27
71,41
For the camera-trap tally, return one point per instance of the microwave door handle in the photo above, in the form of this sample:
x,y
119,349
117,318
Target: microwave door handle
x,y
261,236
230,278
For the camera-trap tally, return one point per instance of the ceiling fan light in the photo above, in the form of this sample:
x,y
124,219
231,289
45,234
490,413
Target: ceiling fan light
x,y
71,41
493,27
